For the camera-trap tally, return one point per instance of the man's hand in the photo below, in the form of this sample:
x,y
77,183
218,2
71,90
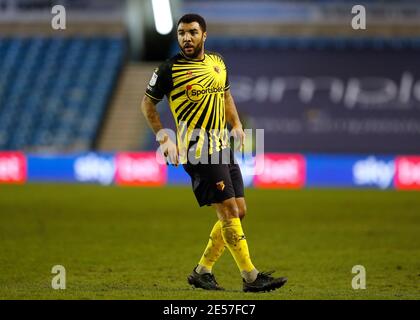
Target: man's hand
x,y
239,134
169,150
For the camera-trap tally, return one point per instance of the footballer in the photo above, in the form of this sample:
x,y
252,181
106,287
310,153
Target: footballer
x,y
196,85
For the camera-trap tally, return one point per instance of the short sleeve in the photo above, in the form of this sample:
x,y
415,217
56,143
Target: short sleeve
x,y
159,84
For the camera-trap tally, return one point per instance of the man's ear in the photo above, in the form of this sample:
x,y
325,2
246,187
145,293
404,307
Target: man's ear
x,y
204,36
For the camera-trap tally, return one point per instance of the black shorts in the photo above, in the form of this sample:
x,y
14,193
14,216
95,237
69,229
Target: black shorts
x,y
214,183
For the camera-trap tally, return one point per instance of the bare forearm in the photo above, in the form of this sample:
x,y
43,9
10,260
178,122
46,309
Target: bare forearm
x,y
148,109
232,116
167,146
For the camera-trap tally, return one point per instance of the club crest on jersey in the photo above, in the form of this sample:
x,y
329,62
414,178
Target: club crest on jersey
x,y
217,69
220,185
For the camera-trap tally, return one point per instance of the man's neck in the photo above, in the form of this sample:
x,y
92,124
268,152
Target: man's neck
x,y
199,57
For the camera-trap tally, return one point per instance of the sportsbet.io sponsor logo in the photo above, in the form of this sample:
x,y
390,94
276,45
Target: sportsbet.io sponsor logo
x,y
196,92
407,172
12,167
281,170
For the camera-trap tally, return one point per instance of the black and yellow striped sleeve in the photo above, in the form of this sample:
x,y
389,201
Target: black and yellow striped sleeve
x,y
160,83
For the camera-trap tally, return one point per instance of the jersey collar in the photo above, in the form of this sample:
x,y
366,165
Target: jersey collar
x,y
190,59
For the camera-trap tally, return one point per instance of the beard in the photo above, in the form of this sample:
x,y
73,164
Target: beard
x,y
194,54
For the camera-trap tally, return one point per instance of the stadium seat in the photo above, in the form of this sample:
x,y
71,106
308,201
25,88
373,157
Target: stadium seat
x,y
54,90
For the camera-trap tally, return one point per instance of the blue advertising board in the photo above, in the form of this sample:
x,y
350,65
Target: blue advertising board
x,y
177,175
82,168
350,171
321,170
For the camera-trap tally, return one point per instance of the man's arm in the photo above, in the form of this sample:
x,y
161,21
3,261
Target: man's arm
x,y
231,113
148,108
232,118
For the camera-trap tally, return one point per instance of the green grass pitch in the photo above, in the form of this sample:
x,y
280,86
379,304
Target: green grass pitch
x,y
141,243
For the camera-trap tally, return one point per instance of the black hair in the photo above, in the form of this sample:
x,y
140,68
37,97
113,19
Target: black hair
x,y
193,17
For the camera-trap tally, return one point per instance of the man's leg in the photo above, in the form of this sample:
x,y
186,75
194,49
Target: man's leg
x,y
216,245
254,281
219,185
213,251
240,202
233,235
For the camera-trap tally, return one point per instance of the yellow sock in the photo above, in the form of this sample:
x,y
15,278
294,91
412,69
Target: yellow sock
x,y
214,249
235,240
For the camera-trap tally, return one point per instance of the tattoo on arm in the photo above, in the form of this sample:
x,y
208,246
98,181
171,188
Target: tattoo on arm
x,y
148,108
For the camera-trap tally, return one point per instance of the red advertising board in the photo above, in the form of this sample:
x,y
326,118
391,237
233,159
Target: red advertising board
x,y
280,171
407,173
12,167
140,169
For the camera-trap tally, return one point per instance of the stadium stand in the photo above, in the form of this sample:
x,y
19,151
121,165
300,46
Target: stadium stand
x,y
78,92
124,128
54,91
320,43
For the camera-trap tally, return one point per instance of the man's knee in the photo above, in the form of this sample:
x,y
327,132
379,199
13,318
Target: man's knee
x,y
241,207
229,210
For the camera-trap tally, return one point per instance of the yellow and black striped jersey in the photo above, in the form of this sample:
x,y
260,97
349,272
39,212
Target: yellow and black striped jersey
x,y
195,90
